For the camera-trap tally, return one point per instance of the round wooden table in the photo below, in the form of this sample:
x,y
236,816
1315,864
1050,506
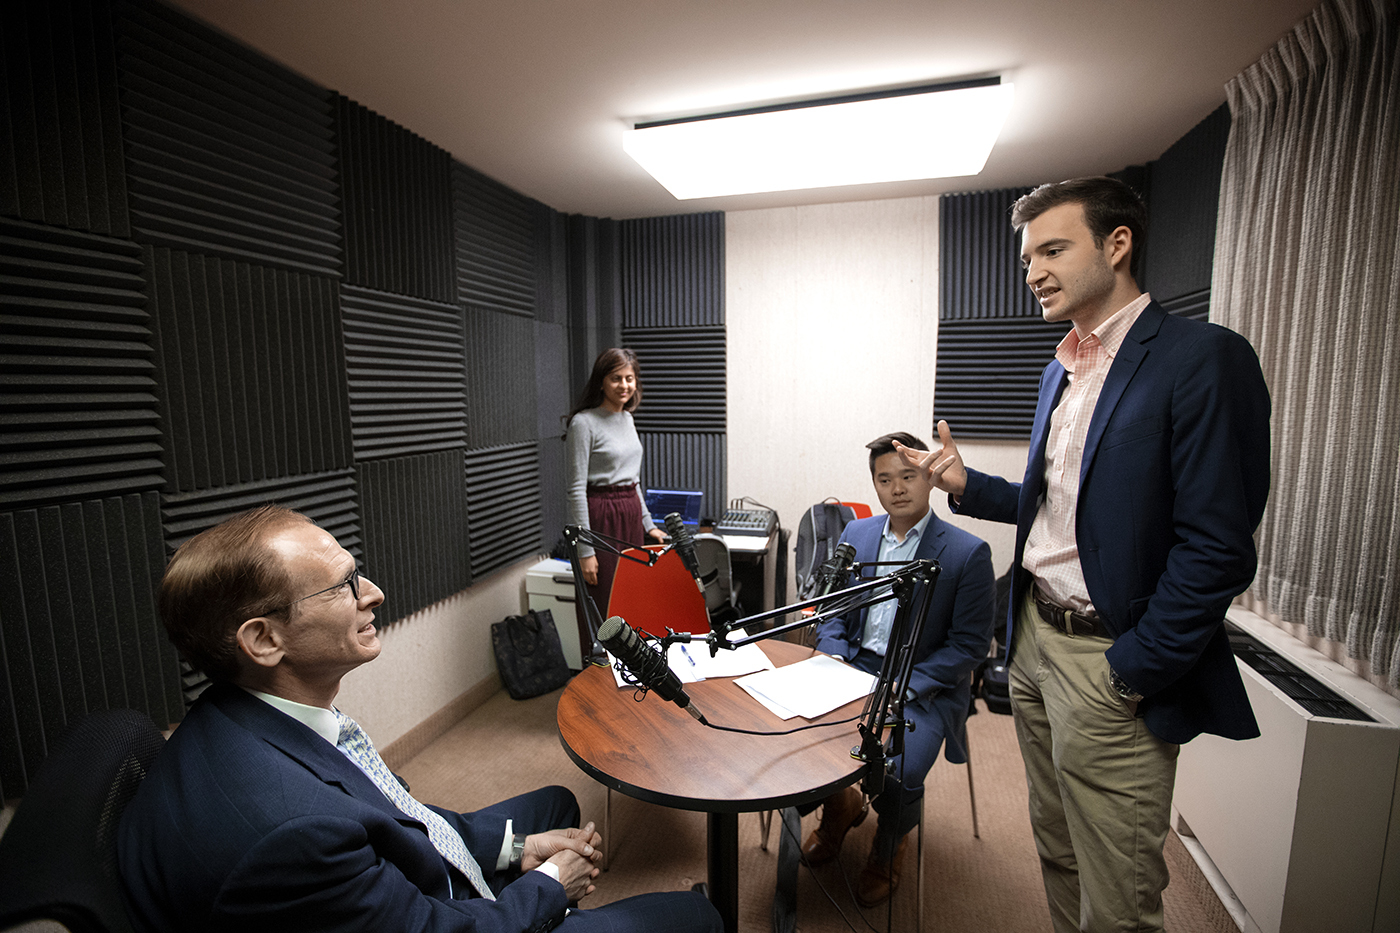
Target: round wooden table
x,y
654,751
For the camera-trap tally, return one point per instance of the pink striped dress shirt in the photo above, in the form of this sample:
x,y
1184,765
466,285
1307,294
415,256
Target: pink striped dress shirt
x,y
1052,552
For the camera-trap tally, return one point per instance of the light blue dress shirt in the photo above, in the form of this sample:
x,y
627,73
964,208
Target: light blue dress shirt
x,y
879,619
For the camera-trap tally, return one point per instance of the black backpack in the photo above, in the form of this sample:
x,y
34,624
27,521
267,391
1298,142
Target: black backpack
x,y
817,534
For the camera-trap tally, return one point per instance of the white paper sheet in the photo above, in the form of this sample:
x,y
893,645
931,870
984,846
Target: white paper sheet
x,y
809,688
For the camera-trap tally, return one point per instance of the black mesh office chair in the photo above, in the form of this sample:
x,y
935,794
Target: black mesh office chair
x,y
58,857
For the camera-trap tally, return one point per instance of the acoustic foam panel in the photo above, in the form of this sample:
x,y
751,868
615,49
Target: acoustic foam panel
x,y
77,377
675,460
992,341
496,248
553,509
227,153
414,512
405,362
252,367
78,627
683,378
328,498
988,375
503,505
1182,204
673,271
500,355
396,193
60,145
979,260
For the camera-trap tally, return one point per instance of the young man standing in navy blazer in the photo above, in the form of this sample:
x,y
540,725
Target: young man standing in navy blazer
x,y
270,810
956,637
1147,475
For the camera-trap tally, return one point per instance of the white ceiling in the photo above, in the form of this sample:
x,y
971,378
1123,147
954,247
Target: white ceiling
x,y
536,93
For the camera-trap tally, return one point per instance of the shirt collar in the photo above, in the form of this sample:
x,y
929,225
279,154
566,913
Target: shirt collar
x,y
916,533
1109,334
319,720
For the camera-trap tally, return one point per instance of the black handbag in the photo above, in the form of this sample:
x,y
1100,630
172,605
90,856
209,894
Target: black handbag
x,y
528,654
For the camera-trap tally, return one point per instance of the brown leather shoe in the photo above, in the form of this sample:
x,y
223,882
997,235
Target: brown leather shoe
x,y
840,812
879,878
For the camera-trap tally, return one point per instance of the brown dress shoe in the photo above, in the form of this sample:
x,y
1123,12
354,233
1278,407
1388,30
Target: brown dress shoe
x,y
879,878
840,811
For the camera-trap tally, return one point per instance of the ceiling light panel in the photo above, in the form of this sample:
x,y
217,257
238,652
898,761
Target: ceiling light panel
x,y
938,134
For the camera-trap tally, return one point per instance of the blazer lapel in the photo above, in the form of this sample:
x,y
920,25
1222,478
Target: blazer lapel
x,y
934,539
1130,355
303,746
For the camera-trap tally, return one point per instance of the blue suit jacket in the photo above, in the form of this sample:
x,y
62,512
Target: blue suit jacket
x,y
250,821
1173,483
957,632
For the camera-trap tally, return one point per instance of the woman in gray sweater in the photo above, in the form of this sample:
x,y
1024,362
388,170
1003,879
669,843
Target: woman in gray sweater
x,y
604,467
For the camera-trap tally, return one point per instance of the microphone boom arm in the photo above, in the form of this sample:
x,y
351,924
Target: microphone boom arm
x,y
574,535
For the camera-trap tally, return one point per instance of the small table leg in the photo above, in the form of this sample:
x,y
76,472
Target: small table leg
x,y
723,852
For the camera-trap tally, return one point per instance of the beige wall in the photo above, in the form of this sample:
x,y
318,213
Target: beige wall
x,y
432,657
832,320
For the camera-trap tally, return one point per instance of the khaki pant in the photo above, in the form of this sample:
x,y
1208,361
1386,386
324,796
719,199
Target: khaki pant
x,y
1100,783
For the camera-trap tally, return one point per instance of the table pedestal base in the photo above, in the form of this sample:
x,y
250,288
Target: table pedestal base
x,y
721,851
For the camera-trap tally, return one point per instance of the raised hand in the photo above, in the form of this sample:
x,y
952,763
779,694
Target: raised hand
x,y
944,466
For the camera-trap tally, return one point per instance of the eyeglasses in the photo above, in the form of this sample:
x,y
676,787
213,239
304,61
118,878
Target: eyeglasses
x,y
352,581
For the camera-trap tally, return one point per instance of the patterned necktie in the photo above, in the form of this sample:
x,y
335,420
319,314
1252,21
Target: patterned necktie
x,y
445,839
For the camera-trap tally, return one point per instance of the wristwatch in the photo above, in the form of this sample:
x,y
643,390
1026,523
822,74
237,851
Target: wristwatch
x,y
1120,687
517,852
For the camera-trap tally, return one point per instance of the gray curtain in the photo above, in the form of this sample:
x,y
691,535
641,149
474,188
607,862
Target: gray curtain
x,y
1306,268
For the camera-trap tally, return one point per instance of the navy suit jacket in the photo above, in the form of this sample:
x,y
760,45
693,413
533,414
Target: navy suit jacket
x,y
957,631
251,821
1173,483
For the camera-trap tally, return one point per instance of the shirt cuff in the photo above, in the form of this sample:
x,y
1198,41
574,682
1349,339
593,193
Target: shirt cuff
x,y
550,869
503,859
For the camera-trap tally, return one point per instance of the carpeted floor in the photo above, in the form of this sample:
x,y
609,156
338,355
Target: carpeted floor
x,y
972,885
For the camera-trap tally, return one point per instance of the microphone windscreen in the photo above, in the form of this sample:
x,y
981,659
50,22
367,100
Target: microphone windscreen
x,y
611,631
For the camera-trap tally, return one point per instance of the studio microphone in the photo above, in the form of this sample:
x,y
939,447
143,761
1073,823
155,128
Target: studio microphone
x,y
685,546
645,663
835,570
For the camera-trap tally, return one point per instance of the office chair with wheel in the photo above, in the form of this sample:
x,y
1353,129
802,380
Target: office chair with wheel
x,y
58,858
721,590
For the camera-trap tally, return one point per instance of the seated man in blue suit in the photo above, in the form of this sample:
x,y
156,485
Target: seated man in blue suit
x,y
270,810
956,638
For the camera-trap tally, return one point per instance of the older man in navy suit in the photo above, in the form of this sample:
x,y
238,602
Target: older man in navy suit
x,y
270,810
956,637
1148,473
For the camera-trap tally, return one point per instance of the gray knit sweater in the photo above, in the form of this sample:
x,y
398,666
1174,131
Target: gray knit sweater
x,y
603,450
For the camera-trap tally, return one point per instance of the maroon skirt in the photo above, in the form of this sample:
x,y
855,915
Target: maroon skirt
x,y
614,511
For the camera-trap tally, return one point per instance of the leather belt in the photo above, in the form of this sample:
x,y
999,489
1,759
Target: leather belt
x,y
1067,620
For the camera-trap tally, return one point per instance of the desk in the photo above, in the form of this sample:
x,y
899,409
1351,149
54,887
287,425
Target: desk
x,y
655,752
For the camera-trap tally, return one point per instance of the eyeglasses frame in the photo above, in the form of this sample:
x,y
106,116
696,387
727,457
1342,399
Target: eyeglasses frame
x,y
352,581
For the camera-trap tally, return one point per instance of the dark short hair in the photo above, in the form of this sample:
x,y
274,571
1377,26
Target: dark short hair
x,y
1108,204
884,444
219,579
609,361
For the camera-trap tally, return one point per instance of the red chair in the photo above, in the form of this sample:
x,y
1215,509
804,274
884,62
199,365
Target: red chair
x,y
651,598
860,508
